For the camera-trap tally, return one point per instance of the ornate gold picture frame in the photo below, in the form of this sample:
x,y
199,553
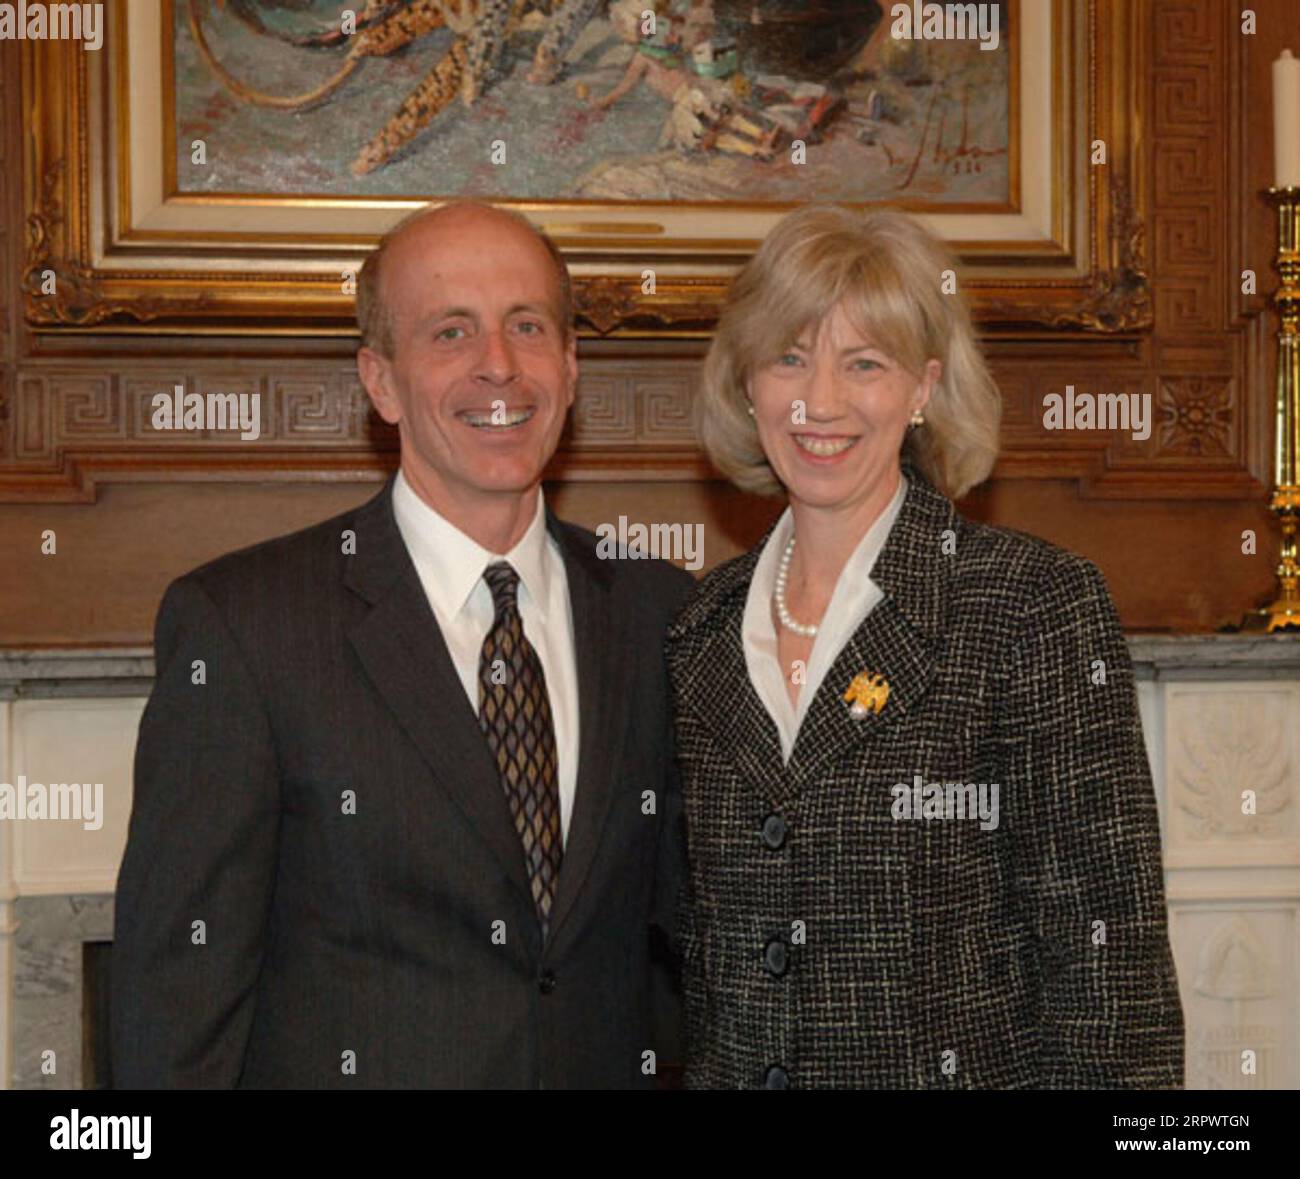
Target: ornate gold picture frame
x,y
115,245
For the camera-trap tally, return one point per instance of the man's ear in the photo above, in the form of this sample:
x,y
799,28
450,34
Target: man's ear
x,y
375,371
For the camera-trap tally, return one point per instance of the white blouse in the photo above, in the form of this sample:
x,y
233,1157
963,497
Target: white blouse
x,y
854,598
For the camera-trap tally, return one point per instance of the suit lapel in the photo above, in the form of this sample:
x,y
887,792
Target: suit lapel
x,y
896,640
402,651
719,691
605,666
887,644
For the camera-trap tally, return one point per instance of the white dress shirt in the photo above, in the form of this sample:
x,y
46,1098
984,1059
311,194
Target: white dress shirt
x,y
451,566
855,596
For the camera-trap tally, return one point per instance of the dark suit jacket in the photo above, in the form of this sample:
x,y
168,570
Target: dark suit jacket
x,y
933,953
325,679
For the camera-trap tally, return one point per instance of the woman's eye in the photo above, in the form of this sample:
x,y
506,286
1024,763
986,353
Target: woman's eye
x,y
866,364
787,359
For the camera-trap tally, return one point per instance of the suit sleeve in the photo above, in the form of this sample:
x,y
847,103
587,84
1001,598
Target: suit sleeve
x,y
671,861
1086,845
670,867
670,878
195,886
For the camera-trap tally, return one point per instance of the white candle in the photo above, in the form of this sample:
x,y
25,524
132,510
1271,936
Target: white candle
x,y
1286,120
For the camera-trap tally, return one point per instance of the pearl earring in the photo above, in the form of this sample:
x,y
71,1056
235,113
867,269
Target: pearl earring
x,y
918,418
749,409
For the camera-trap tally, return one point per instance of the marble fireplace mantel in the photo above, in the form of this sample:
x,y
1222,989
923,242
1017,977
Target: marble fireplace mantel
x,y
44,672
1220,713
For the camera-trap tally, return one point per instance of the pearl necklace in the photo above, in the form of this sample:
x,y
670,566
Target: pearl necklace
x,y
782,572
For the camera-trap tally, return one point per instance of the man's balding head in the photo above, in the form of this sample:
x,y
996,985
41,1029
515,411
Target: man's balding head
x,y
470,353
374,311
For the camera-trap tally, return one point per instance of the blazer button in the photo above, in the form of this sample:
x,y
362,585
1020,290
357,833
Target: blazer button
x,y
776,1078
774,831
546,982
776,958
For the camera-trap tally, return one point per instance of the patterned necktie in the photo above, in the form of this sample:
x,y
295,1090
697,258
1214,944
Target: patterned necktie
x,y
515,715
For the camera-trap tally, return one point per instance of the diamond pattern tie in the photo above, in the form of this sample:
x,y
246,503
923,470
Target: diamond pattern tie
x,y
515,716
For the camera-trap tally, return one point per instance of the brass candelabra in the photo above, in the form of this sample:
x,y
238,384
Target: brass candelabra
x,y
1284,609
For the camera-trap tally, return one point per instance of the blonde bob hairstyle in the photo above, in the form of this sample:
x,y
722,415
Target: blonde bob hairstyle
x,y
889,271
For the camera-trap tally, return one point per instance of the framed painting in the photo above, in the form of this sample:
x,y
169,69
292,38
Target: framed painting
x,y
223,165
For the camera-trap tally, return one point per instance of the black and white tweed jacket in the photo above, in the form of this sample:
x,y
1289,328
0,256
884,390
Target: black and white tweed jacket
x,y
829,943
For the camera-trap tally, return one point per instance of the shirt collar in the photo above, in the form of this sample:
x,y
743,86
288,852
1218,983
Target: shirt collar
x,y
855,578
454,562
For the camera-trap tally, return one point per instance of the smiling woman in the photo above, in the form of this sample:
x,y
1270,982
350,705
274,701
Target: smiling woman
x,y
889,289
833,937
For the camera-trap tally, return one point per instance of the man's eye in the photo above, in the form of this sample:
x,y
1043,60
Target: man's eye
x,y
531,325
446,333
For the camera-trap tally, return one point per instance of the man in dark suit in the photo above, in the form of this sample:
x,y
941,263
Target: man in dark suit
x,y
404,783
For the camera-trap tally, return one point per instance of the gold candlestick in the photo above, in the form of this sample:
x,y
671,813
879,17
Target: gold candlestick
x,y
1284,610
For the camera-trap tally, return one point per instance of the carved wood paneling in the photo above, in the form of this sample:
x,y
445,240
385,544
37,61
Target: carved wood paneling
x,y
1196,417
81,425
1196,365
72,422
8,203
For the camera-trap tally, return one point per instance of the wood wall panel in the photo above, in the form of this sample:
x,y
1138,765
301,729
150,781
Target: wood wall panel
x,y
1163,516
116,556
10,232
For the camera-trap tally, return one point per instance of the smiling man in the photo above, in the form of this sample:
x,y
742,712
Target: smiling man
x,y
404,808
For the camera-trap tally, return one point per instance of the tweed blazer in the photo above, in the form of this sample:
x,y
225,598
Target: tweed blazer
x,y
830,940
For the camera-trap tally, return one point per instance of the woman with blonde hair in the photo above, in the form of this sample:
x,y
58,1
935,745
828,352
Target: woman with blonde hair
x,y
922,831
